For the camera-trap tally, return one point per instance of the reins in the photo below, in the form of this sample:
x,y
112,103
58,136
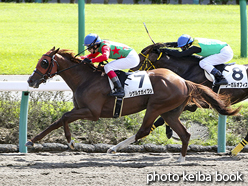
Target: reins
x,y
58,72
81,62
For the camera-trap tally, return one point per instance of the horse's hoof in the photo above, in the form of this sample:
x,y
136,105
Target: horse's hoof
x,y
169,132
29,144
228,153
111,151
71,145
181,159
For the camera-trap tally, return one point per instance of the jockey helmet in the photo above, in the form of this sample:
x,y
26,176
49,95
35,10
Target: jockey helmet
x,y
91,39
184,40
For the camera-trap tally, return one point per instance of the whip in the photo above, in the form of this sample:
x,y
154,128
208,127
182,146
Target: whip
x,y
148,33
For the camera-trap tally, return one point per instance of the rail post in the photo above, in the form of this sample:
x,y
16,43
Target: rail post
x,y
196,2
23,122
81,25
243,25
221,133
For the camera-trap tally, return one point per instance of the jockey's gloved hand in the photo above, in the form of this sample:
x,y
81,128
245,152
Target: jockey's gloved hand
x,y
87,60
164,50
167,45
171,44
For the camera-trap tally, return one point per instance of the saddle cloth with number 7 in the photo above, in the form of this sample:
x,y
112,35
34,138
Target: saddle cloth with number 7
x,y
137,83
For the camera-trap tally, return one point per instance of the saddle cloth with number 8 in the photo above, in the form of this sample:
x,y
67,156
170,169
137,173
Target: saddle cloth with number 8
x,y
236,76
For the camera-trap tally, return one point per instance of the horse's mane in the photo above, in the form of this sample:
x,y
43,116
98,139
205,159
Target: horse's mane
x,y
69,54
154,48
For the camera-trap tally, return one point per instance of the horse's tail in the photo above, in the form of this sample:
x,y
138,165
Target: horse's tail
x,y
202,95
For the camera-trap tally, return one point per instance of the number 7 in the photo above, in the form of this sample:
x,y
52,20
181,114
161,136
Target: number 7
x,y
141,79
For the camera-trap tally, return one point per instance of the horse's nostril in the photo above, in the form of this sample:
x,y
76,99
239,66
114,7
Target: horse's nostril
x,y
30,81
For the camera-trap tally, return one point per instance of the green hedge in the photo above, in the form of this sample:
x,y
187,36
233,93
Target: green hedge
x,y
47,107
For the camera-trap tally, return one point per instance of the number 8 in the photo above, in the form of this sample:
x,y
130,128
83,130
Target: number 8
x,y
237,74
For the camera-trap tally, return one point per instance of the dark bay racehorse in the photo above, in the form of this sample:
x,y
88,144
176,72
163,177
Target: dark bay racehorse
x,y
188,68
91,100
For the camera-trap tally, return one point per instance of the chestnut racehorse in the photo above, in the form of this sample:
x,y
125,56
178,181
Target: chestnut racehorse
x,y
91,100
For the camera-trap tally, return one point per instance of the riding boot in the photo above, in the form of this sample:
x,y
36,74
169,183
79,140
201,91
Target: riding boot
x,y
219,78
119,91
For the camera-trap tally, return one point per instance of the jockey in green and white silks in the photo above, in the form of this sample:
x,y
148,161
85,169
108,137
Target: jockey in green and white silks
x,y
215,52
124,58
208,46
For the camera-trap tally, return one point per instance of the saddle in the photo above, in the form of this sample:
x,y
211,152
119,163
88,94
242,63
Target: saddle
x,y
121,74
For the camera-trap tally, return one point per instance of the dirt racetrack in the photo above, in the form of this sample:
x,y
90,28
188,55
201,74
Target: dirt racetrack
x,y
81,168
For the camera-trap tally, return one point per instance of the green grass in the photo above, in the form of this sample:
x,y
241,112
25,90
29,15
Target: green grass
x,y
29,30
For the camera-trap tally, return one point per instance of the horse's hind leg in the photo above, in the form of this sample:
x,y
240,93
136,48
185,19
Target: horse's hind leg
x,y
160,122
121,145
144,130
146,126
172,118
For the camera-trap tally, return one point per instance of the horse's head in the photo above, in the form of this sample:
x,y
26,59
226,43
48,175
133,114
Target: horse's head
x,y
149,56
46,68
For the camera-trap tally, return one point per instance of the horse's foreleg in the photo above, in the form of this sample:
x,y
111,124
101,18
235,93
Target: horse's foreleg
x,y
75,114
50,128
67,118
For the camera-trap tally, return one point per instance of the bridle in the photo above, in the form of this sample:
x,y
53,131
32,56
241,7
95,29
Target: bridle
x,y
147,64
52,64
48,74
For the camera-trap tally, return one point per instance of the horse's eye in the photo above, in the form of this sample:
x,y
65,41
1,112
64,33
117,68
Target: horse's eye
x,y
44,64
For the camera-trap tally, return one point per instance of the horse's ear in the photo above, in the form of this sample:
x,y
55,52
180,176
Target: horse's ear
x,y
56,50
53,48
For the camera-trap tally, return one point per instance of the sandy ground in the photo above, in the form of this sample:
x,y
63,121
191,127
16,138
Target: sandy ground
x,y
80,168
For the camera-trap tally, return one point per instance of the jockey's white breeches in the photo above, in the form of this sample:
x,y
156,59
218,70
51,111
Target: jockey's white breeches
x,y
225,55
131,61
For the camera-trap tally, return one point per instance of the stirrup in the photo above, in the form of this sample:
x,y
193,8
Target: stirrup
x,y
223,81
